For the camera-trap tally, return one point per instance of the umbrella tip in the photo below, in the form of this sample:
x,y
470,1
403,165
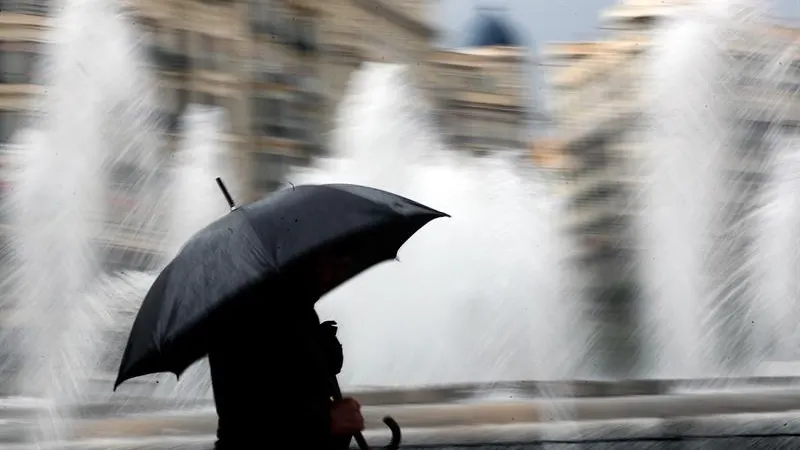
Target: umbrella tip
x,y
440,214
226,194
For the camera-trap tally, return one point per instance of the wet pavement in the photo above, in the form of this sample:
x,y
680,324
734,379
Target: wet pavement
x,y
767,419
724,433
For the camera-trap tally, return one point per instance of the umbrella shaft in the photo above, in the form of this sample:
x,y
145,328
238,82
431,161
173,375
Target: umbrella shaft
x,y
362,443
337,395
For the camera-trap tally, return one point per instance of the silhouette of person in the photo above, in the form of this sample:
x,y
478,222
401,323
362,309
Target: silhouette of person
x,y
273,367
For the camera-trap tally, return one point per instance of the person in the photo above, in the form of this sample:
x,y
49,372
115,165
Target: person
x,y
281,394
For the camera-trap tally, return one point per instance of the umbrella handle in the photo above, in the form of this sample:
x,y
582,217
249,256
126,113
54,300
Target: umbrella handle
x,y
394,442
397,435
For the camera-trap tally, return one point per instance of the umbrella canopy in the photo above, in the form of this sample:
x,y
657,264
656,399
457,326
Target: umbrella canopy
x,y
254,247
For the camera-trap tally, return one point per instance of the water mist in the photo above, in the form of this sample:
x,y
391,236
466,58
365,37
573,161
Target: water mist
x,y
484,296
58,203
704,313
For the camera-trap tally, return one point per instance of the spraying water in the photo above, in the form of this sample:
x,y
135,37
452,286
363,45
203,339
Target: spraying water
x,y
483,296
192,201
58,204
777,258
201,156
779,253
704,313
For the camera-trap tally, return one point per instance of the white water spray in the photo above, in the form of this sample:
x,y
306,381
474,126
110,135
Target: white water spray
x,y
97,92
483,296
704,311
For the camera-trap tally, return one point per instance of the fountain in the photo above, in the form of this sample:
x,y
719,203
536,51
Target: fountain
x,y
191,201
59,205
490,284
705,311
778,258
201,157
488,302
486,296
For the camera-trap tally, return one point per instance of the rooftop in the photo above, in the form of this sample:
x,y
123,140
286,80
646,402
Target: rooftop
x,y
491,30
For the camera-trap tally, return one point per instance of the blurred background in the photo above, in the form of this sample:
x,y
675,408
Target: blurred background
x,y
565,89
557,83
495,77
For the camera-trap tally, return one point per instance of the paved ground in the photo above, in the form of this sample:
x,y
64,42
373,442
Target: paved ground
x,y
721,433
710,420
539,411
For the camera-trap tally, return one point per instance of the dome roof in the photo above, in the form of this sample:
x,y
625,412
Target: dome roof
x,y
491,31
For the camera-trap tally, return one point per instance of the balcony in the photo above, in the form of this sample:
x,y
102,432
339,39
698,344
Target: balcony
x,y
169,60
273,78
314,149
602,217
344,53
308,98
15,78
271,130
36,8
587,181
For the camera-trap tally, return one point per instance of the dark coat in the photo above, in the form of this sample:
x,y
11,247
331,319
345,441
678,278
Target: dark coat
x,y
273,372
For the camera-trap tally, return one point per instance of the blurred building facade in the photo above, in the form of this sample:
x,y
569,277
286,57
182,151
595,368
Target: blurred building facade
x,y
280,67
482,97
354,31
284,63
595,108
598,101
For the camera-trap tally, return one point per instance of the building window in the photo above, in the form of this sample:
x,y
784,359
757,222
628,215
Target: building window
x,y
790,129
273,111
35,7
224,54
267,116
486,83
270,170
309,31
229,105
148,27
184,96
18,60
171,40
206,55
261,11
8,125
169,98
204,98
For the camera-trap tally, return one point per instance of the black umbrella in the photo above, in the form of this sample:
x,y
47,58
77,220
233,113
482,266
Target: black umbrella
x,y
249,248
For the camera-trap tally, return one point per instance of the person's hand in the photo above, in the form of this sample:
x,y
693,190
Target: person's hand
x,y
346,418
